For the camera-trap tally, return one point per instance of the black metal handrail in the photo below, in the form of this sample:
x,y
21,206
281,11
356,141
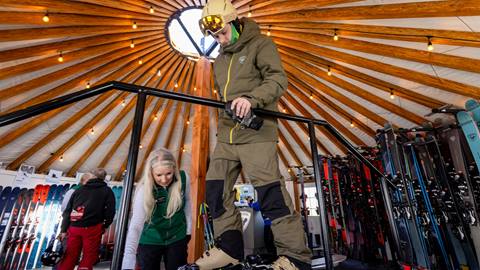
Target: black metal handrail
x,y
142,92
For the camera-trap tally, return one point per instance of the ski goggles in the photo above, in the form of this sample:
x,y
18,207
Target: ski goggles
x,y
211,24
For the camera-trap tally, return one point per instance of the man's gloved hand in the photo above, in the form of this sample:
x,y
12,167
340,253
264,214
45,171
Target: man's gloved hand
x,y
241,106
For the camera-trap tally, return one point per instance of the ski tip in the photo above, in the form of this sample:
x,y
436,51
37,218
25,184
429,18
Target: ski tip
x,y
471,104
463,117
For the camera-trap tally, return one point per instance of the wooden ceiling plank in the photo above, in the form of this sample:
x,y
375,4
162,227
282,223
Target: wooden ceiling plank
x,y
355,89
53,48
55,6
291,6
402,37
163,4
289,148
285,162
62,19
57,131
331,120
403,73
300,88
59,32
334,94
166,62
295,136
109,57
86,52
422,56
450,8
178,109
370,80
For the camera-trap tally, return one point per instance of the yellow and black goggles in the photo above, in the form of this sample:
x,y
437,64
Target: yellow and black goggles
x,y
211,24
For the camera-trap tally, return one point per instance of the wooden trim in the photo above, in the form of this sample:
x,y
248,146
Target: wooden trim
x,y
403,73
452,8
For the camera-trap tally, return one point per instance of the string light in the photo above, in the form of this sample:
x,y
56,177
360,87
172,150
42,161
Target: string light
x,y
159,73
176,85
132,44
352,124
311,95
268,32
195,89
284,111
92,131
214,91
140,61
184,149
329,71
60,57
392,96
123,103
335,35
152,10
430,45
134,25
88,85
188,122
155,117
45,18
140,146
61,158
249,11
289,170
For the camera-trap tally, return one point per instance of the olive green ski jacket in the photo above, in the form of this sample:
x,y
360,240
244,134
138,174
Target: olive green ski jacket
x,y
251,67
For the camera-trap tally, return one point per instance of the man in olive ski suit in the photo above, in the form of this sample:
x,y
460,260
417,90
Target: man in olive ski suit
x,y
248,72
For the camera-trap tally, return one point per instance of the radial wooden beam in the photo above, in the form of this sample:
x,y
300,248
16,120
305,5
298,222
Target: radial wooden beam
x,y
52,48
188,89
58,32
166,63
200,154
450,8
57,131
464,39
296,138
349,87
422,56
316,84
32,84
290,6
59,19
53,6
300,89
367,79
73,56
289,148
403,73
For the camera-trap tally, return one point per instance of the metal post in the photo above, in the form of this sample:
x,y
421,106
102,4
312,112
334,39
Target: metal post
x,y
321,199
124,210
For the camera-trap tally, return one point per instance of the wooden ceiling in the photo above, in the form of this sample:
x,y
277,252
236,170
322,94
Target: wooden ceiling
x,y
381,50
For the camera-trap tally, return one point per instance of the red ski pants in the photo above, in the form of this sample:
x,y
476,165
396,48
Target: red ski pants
x,y
77,237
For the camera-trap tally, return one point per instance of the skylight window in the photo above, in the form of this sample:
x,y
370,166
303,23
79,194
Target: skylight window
x,y
195,45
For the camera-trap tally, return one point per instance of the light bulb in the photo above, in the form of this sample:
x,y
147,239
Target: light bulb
x,y
132,44
311,96
335,35
430,45
140,146
268,33
152,10
392,96
284,111
214,91
195,89
61,158
134,25
60,57
88,85
329,71
92,131
352,124
155,117
46,18
188,122
159,73
123,103
176,85
140,61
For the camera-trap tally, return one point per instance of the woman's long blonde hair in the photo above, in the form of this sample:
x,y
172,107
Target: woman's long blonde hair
x,y
161,157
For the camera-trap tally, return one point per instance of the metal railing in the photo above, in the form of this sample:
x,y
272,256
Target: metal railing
x,y
142,92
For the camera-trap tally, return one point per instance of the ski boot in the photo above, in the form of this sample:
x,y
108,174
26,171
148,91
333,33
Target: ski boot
x,y
214,258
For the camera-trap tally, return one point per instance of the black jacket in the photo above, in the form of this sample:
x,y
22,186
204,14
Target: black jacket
x,y
92,204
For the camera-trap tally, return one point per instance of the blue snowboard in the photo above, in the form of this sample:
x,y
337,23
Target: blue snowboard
x,y
470,129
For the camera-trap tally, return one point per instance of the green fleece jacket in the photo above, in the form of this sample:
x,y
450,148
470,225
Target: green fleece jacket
x,y
251,67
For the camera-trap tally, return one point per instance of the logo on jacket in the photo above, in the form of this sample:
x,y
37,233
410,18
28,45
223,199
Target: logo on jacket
x,y
77,213
242,59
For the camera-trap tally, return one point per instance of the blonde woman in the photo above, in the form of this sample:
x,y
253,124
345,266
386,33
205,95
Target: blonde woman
x,y
160,226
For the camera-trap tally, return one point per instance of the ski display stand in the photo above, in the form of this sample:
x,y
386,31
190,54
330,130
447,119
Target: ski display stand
x,y
30,218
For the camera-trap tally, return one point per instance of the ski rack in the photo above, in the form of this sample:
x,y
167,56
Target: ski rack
x,y
142,92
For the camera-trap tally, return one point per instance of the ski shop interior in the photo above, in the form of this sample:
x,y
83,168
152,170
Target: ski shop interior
x,y
388,89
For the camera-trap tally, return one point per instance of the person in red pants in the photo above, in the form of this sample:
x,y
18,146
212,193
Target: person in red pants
x,y
88,213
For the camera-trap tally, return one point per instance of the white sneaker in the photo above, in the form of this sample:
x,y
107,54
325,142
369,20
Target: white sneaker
x,y
215,258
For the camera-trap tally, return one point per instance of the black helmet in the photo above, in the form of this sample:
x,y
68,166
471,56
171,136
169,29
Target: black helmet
x,y
52,256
